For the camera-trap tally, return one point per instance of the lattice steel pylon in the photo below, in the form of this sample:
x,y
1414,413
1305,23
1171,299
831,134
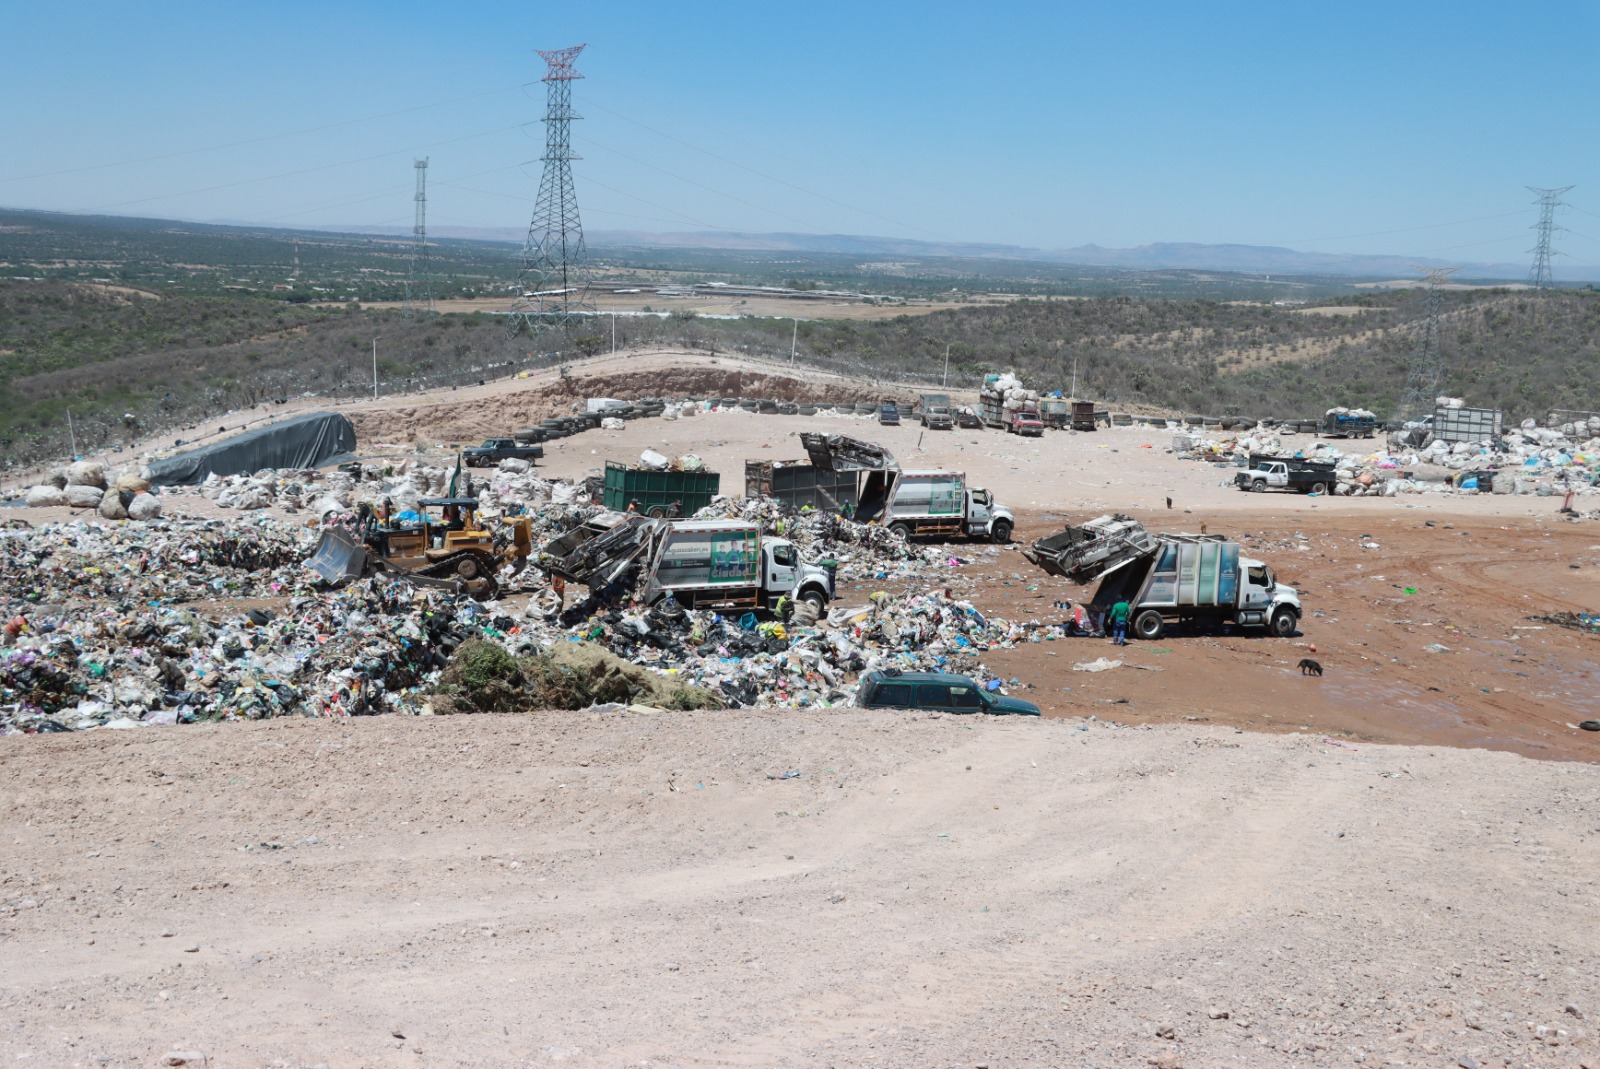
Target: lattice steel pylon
x,y
419,281
553,287
1426,376
1549,200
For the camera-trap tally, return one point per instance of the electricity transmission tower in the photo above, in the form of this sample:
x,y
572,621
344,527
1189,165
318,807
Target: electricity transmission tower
x,y
552,288
1427,361
419,283
1549,200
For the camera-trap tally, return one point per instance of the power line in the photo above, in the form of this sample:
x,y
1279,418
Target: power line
x,y
256,140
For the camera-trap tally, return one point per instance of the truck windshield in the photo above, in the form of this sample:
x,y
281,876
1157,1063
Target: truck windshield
x,y
1260,576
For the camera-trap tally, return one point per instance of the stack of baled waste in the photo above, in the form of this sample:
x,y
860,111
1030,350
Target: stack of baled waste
x,y
85,484
1013,394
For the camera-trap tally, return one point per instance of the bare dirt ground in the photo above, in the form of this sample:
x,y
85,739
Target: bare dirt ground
x,y
623,889
1230,864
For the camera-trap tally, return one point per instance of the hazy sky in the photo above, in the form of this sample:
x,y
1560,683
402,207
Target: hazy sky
x,y
1353,127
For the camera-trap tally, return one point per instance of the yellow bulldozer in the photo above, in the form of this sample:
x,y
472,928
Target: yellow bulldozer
x,y
445,548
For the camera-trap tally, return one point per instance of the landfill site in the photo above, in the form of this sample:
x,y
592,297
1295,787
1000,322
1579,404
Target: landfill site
x,y
714,712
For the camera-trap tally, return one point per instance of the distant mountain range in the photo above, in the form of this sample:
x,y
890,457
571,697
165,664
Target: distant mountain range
x,y
1171,256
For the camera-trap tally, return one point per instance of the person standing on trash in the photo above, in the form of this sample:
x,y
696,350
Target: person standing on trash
x,y
1119,621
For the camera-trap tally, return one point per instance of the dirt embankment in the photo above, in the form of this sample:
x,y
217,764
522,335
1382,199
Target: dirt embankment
x,y
622,890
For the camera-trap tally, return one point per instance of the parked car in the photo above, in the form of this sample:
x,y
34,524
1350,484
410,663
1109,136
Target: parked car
x,y
937,692
494,450
889,414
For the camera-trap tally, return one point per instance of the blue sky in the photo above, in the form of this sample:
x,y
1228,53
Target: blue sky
x,y
1355,127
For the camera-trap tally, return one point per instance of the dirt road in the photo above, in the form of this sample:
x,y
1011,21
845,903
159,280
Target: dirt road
x,y
621,889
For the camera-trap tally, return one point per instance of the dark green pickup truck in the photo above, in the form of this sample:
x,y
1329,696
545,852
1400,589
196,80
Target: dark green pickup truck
x,y
936,692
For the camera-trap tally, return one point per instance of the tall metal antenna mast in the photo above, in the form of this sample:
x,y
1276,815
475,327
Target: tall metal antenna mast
x,y
1427,361
553,287
1549,200
419,283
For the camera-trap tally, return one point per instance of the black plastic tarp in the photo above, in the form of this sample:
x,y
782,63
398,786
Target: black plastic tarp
x,y
307,441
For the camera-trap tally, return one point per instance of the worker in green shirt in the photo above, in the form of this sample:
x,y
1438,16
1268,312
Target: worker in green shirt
x,y
1119,621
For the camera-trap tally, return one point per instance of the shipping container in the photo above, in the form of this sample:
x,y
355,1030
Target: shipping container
x,y
658,491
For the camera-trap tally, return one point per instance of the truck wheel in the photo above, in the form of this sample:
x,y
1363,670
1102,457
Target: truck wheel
x,y
1149,625
1001,533
1319,488
901,531
1283,623
1258,486
657,512
469,568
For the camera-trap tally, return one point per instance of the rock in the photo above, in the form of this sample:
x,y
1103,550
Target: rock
x,y
144,507
87,473
192,948
1216,1013
184,1057
111,506
1467,1061
1167,1059
1166,1031
1569,1007
45,496
80,496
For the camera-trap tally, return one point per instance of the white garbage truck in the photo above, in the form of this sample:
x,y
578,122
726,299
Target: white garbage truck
x,y
1168,578
918,503
728,565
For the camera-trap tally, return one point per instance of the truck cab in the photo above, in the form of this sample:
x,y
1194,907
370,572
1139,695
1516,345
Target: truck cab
x,y
784,573
987,518
1265,602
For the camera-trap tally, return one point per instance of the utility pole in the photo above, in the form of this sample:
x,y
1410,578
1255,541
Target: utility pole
x,y
613,330
1549,200
374,369
73,434
945,382
1074,390
794,342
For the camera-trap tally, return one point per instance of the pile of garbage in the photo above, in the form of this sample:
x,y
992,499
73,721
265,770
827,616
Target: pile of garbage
x,y
85,484
178,621
1548,461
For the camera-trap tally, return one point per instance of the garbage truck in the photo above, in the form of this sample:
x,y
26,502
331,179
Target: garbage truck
x,y
918,503
1168,578
712,564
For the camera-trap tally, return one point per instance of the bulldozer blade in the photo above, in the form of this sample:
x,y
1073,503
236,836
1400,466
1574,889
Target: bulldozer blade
x,y
338,557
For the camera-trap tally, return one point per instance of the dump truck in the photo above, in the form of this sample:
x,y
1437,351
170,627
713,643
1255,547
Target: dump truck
x,y
1084,416
919,503
448,551
1055,412
936,414
1168,578
1287,473
1354,423
712,564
